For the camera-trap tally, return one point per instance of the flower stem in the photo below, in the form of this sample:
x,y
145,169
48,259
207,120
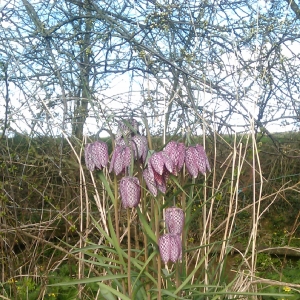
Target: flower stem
x,y
117,224
156,218
129,254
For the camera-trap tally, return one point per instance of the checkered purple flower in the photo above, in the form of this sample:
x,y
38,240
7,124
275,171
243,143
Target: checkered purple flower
x,y
160,162
96,155
130,191
196,160
174,217
157,173
121,159
170,247
176,152
139,145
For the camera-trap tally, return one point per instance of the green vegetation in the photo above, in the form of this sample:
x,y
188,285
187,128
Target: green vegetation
x,y
50,235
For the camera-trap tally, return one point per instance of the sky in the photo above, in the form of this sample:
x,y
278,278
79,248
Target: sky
x,y
123,93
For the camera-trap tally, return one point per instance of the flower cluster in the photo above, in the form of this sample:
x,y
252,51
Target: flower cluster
x,y
170,246
170,161
130,146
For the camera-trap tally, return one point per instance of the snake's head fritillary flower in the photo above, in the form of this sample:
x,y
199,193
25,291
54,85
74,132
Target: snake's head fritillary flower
x,y
155,181
96,155
196,160
140,147
203,162
120,160
174,217
176,152
126,128
160,162
170,247
130,191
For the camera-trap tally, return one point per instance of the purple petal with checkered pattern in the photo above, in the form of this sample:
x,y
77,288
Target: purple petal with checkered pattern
x,y
157,162
89,162
96,155
130,191
121,159
140,147
181,156
150,182
204,163
176,152
174,220
170,247
176,248
160,161
191,161
100,154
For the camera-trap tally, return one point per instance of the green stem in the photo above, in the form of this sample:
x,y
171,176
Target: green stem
x,y
129,254
117,227
144,211
177,277
156,218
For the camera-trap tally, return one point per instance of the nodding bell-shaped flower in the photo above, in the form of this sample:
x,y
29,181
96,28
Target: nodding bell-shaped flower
x,y
96,155
176,152
154,181
130,191
196,160
121,159
160,162
140,147
174,217
157,173
126,128
170,247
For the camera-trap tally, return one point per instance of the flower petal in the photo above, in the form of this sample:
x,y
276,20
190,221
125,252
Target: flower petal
x,y
164,244
149,179
140,147
174,220
176,248
157,162
130,191
191,161
203,163
100,154
88,157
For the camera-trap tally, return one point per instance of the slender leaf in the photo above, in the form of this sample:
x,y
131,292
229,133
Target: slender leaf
x,y
90,280
146,226
107,186
113,291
